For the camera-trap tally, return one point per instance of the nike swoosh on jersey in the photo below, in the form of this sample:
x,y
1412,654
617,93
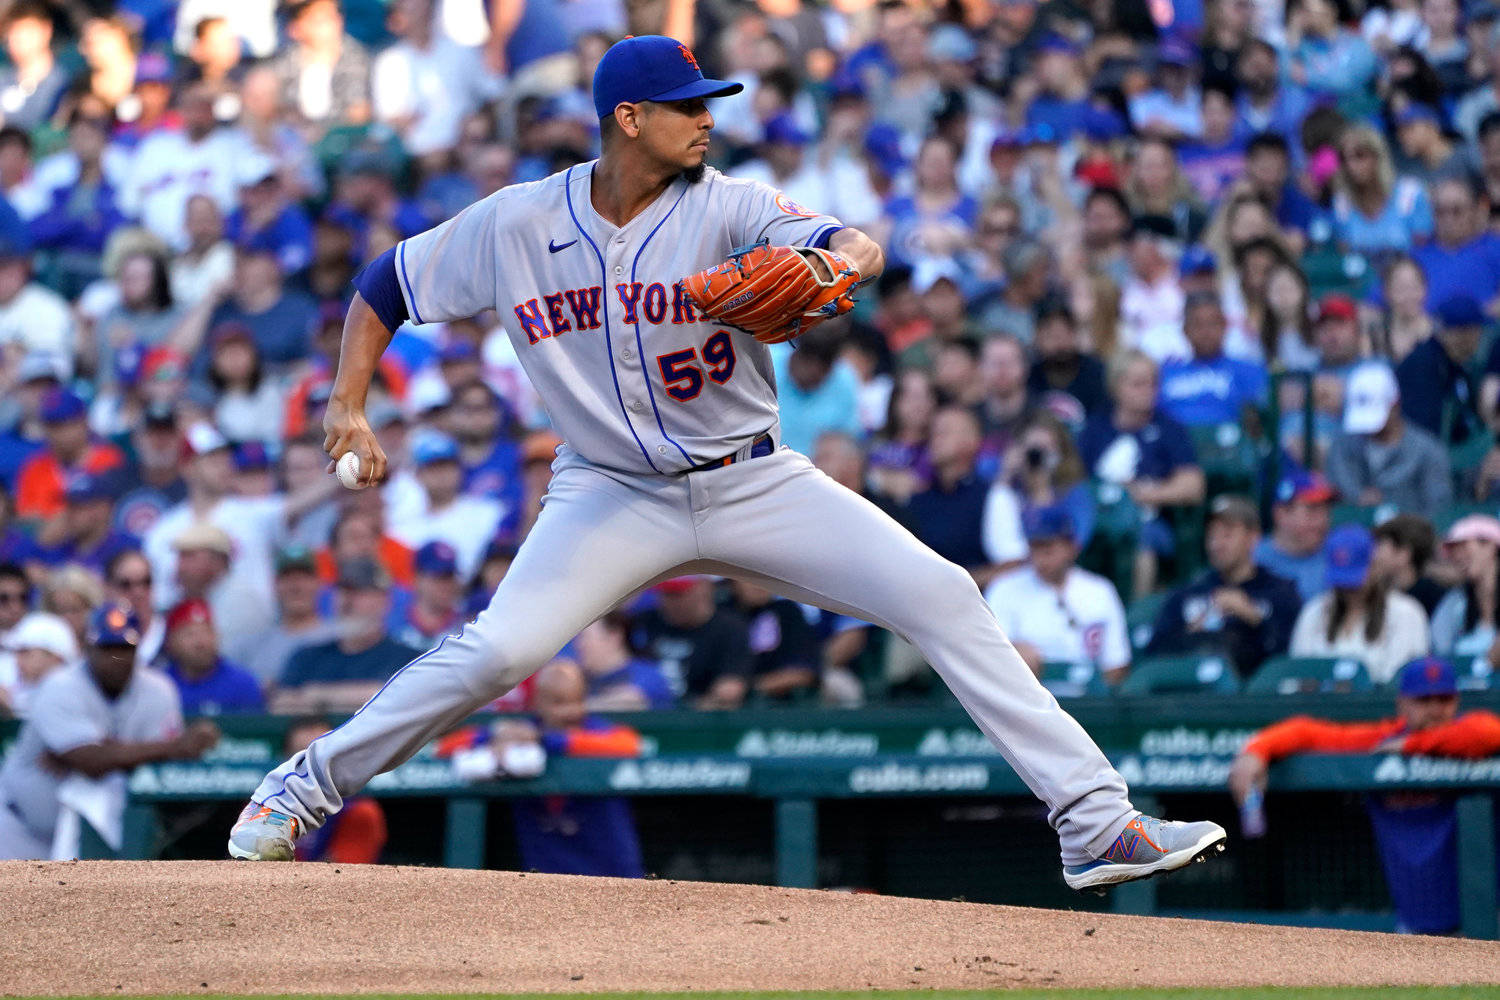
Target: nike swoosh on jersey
x,y
554,248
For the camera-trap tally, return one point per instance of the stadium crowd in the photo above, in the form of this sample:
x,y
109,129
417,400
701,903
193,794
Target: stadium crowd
x,y
1188,310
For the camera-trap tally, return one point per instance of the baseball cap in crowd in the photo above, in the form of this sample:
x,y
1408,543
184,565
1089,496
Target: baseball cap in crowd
x,y
60,405
382,413
1054,42
1431,675
254,169
1483,11
82,487
152,67
1304,487
1197,260
679,585
1473,527
1347,553
784,130
113,624
201,535
1159,226
1235,508
203,438
951,43
1177,53
295,558
458,350
433,446
437,558
1459,311
193,611
1336,306
652,68
38,366
40,630
362,573
883,145
162,364
251,456
1368,397
1044,523
1413,113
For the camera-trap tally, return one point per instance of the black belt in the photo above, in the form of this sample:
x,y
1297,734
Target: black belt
x,y
759,448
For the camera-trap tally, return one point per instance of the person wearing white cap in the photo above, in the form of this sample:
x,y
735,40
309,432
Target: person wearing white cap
x,y
1380,458
41,643
1464,624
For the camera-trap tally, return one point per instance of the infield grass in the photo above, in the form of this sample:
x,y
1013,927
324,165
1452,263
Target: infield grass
x,y
1249,993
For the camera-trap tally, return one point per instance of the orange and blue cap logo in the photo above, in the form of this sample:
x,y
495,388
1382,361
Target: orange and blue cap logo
x,y
688,55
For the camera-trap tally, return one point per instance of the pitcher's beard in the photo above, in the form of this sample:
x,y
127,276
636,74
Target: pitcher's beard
x,y
694,174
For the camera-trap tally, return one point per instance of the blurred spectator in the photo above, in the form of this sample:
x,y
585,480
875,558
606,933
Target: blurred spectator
x,y
267,216
249,403
72,593
464,522
109,47
949,516
1489,161
39,644
488,450
206,263
207,683
1043,468
83,532
356,834
41,486
1151,301
82,190
783,647
425,83
358,534
704,651
145,315
1484,99
1404,545
127,581
618,680
1172,109
932,225
792,161
1405,321
1415,833
15,602
33,318
1360,616
1300,521
1236,607
1008,402
436,608
94,718
817,391
1066,379
324,74
1430,156
279,318
33,83
1209,388
1028,268
1268,174
216,53
1326,57
298,623
343,674
252,24
173,165
1052,611
1164,203
1286,337
1463,257
1437,389
1374,211
1464,624
899,463
1136,446
151,481
1380,459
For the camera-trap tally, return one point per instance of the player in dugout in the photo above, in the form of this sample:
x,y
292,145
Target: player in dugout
x,y
1416,831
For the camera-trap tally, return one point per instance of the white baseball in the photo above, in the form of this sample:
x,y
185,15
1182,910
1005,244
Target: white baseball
x,y
347,470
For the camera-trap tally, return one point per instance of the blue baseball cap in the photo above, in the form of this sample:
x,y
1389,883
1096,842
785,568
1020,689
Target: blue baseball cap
x,y
251,456
1348,551
458,350
1418,113
784,129
1460,311
114,624
433,446
652,68
1042,523
437,558
1197,260
62,404
1428,676
1304,487
82,487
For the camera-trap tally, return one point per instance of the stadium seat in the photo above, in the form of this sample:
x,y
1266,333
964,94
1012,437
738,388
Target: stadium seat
x,y
1228,456
1181,674
1073,680
1445,518
1140,619
1117,530
1367,517
1302,674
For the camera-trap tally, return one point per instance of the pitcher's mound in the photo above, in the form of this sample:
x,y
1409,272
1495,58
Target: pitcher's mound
x,y
238,927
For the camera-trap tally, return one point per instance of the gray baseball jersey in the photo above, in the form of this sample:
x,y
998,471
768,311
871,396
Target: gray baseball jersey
x,y
642,391
631,377
68,712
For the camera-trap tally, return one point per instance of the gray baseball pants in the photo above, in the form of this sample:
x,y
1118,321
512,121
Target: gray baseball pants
x,y
777,521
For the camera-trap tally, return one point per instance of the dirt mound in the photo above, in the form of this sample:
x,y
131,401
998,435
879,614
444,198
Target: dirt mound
x,y
227,927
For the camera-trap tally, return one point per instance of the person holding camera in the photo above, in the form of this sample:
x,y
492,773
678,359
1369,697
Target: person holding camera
x,y
1042,469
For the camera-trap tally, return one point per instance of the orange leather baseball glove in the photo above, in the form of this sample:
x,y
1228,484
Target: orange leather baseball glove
x,y
774,293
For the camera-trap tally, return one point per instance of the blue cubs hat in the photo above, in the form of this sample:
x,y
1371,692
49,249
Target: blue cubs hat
x,y
1042,523
62,404
1197,260
433,446
437,558
652,68
1460,311
1413,113
1428,676
82,487
1348,551
114,624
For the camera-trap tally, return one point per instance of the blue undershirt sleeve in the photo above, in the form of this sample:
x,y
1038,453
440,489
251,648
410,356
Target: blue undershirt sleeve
x,y
378,285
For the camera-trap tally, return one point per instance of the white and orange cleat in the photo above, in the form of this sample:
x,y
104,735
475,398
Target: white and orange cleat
x,y
263,834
